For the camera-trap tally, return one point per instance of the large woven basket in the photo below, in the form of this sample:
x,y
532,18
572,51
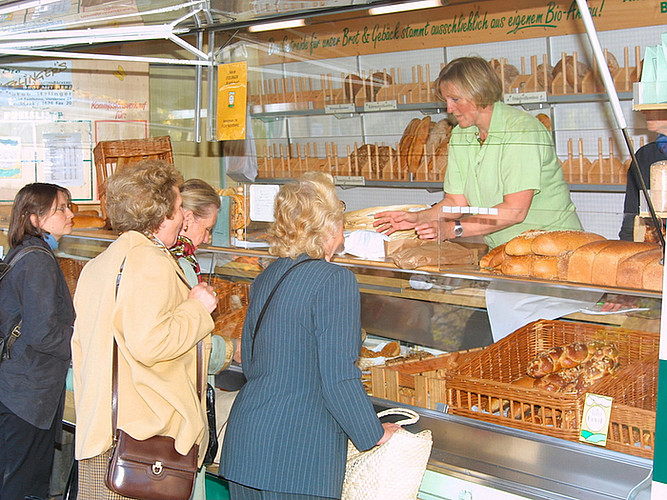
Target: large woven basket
x,y
634,391
232,305
482,388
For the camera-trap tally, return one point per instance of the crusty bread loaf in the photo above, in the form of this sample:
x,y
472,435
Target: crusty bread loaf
x,y
557,242
406,141
352,85
582,70
580,263
87,222
605,263
544,120
544,267
494,258
517,265
630,272
521,244
417,145
652,277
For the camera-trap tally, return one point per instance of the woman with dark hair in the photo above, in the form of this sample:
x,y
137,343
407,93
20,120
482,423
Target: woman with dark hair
x,y
37,304
500,157
288,429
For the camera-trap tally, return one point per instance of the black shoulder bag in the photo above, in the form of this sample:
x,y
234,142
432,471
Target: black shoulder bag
x,y
268,300
7,342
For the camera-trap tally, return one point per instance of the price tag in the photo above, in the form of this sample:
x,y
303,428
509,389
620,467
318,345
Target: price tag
x,y
335,109
595,420
349,180
380,106
525,97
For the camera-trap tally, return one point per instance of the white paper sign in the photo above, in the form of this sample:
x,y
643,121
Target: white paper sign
x,y
262,197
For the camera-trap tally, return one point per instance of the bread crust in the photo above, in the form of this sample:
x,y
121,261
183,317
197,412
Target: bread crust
x,y
521,244
605,263
557,242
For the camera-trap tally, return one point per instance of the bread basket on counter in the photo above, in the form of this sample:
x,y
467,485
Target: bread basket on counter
x,y
232,305
481,388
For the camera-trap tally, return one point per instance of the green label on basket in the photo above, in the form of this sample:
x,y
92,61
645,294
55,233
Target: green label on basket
x,y
595,421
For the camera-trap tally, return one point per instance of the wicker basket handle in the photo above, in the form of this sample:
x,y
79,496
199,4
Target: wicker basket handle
x,y
412,415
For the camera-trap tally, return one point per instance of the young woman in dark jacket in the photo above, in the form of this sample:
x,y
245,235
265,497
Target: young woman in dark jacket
x,y
32,380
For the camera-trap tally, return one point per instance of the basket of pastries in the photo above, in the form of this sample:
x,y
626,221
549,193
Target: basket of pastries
x,y
535,378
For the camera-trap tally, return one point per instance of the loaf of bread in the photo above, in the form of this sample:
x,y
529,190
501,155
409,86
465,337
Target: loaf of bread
x,y
506,72
582,70
406,141
352,85
87,222
416,150
372,156
521,244
652,277
392,349
580,263
605,263
375,82
630,272
557,242
517,265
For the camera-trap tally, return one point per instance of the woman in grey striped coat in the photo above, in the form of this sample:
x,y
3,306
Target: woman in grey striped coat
x,y
288,429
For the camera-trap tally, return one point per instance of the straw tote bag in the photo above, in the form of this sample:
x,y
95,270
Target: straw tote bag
x,y
393,470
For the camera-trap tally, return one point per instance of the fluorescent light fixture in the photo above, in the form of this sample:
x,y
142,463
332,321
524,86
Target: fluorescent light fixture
x,y
279,25
25,6
402,7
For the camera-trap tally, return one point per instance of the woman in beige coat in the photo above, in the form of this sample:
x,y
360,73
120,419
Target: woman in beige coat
x,y
155,319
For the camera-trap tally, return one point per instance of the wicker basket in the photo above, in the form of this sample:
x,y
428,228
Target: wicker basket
x,y
632,423
110,156
481,387
232,305
71,269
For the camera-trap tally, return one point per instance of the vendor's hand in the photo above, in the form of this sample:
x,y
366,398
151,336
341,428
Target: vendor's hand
x,y
206,295
613,303
237,350
389,429
429,230
392,221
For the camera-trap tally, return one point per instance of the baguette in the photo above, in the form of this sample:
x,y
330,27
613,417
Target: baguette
x,y
557,242
605,263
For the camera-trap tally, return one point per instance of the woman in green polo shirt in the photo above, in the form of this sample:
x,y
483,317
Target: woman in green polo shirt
x,y
499,157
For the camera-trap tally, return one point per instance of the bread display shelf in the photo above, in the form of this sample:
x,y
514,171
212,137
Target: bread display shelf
x,y
481,388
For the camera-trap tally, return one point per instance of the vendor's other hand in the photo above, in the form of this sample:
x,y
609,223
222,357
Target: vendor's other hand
x,y
429,231
206,295
391,221
389,429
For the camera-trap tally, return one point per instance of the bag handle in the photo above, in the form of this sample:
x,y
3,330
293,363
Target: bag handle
x,y
413,416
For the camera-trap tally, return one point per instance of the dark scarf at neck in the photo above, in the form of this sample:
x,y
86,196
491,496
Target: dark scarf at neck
x,y
186,249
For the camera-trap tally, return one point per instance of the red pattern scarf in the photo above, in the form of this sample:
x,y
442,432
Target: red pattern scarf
x,y
186,249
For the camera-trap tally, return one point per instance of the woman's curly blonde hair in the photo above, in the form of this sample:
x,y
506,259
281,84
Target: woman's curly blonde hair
x,y
141,197
307,213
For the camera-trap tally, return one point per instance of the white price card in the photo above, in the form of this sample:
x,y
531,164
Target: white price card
x,y
595,419
262,197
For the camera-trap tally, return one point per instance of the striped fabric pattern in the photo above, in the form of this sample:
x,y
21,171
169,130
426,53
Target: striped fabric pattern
x,y
288,428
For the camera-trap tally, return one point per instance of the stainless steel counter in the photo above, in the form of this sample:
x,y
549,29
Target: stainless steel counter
x,y
527,464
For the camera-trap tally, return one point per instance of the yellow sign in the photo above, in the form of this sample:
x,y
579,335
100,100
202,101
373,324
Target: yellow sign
x,y
232,101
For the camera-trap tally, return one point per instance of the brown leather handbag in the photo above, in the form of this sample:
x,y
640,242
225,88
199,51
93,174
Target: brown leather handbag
x,y
151,469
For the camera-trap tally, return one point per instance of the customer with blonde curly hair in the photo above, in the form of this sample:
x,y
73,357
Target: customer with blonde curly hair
x,y
288,429
155,319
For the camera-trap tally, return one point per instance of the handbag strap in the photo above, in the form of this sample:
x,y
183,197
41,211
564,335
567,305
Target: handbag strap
x,y
412,415
114,363
268,300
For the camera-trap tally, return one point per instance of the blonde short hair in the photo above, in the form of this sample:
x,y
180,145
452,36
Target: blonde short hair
x,y
474,77
307,213
140,197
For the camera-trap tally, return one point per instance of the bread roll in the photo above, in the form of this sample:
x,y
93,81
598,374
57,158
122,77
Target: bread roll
x,y
630,272
87,222
521,245
557,242
543,267
494,258
652,277
517,265
580,263
605,263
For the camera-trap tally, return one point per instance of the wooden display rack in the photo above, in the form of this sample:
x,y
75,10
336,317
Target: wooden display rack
x,y
604,170
279,162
